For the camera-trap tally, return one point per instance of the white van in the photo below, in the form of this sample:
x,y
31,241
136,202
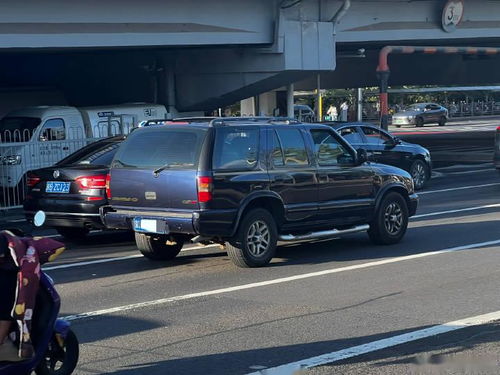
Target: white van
x,y
37,137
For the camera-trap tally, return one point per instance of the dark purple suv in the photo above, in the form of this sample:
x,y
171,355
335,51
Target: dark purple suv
x,y
249,184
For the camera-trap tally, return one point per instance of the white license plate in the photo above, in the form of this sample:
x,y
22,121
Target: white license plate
x,y
57,187
149,226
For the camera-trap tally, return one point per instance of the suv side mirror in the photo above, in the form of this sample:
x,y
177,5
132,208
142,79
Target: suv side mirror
x,y
362,156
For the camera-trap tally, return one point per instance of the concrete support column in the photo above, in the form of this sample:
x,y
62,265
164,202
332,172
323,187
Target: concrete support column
x,y
267,104
289,101
171,108
247,107
319,100
360,104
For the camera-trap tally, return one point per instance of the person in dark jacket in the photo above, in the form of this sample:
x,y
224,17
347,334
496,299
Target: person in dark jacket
x,y
8,281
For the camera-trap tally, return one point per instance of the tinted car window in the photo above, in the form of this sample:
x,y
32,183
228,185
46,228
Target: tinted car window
x,y
53,130
374,136
100,156
328,150
351,135
294,148
92,153
236,148
277,155
152,148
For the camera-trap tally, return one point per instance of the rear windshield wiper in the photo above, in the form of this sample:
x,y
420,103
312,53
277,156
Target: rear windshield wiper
x,y
157,171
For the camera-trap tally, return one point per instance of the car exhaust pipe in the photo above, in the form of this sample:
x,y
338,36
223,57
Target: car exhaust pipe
x,y
323,234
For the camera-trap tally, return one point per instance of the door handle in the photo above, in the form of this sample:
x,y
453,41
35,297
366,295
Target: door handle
x,y
323,177
283,178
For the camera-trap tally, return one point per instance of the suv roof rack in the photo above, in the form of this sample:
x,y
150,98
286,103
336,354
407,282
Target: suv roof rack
x,y
254,119
220,121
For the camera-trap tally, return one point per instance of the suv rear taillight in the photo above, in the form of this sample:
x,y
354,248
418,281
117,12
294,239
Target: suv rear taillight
x,y
204,189
91,182
108,185
498,129
32,180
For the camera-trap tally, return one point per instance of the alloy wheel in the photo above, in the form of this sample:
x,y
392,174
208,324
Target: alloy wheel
x,y
419,175
393,218
258,238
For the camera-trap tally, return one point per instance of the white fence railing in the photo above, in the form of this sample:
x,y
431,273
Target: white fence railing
x,y
19,154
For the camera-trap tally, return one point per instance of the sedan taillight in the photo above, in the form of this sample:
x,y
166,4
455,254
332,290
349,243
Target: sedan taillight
x,y
108,185
91,182
32,180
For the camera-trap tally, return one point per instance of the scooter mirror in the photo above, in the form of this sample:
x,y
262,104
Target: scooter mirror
x,y
39,218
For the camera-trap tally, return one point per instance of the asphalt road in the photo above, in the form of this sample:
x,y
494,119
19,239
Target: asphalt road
x,y
316,302
199,314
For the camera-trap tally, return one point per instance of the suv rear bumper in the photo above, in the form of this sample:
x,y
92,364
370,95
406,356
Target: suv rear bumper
x,y
210,223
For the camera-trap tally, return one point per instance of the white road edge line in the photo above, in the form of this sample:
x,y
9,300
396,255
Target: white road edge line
x,y
458,188
456,211
273,282
294,367
107,260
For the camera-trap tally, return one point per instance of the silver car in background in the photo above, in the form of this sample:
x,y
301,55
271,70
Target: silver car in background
x,y
420,114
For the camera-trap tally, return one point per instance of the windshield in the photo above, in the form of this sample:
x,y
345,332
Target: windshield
x,y
161,147
17,129
416,107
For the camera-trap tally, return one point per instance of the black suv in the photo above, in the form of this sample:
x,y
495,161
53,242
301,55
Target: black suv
x,y
249,184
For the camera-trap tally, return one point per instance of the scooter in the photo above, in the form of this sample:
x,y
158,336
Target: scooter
x,y
56,346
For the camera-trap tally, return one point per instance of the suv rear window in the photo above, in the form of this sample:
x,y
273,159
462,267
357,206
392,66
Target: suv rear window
x,y
236,148
155,148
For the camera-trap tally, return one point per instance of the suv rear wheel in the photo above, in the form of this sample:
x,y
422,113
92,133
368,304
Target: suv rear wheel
x,y
255,242
391,220
157,247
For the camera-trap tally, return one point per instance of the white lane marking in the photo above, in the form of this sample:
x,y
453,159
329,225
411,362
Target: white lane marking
x,y
458,188
275,281
456,211
292,368
107,260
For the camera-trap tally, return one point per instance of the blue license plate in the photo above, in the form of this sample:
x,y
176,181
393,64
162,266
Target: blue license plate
x,y
57,187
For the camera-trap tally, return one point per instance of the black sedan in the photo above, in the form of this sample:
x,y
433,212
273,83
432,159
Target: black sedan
x,y
383,147
72,191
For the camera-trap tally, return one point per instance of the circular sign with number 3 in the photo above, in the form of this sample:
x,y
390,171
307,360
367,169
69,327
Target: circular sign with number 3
x,y
453,13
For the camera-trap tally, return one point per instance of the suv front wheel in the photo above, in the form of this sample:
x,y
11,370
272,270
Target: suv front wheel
x,y
157,247
391,220
255,242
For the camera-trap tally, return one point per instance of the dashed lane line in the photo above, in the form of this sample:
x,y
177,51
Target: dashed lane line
x,y
163,301
497,205
355,351
458,188
116,259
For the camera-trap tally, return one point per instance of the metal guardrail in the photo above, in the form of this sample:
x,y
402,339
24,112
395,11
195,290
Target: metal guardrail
x,y
20,153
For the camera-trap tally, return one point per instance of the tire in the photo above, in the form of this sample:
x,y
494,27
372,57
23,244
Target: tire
x,y
420,122
420,173
66,358
155,247
259,225
70,233
386,232
442,121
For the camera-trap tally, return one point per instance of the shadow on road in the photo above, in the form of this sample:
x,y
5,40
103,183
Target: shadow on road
x,y
243,362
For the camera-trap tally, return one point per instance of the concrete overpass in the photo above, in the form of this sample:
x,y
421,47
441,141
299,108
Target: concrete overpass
x,y
202,54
